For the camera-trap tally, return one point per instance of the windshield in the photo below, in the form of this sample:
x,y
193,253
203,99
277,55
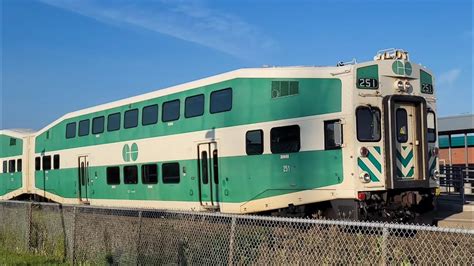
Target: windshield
x,y
368,123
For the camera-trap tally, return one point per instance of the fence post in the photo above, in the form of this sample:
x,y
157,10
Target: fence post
x,y
28,229
385,235
139,236
231,241
74,236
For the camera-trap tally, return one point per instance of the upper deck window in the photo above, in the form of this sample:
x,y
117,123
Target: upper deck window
x,y
221,101
84,127
170,111
150,115
194,106
113,122
98,125
368,124
71,130
284,88
130,118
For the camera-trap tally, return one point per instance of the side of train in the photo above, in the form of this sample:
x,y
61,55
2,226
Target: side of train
x,y
355,141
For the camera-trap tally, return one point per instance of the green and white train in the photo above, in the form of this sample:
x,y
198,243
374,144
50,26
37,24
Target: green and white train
x,y
355,141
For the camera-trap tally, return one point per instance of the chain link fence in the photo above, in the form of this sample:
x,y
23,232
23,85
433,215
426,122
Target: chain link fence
x,y
93,235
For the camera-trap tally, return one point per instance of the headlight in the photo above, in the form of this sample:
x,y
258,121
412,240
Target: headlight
x,y
407,86
364,152
365,177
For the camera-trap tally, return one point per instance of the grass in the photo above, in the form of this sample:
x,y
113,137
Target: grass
x,y
22,258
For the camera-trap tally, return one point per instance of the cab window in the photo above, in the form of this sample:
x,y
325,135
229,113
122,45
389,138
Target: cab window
x,y
431,126
368,124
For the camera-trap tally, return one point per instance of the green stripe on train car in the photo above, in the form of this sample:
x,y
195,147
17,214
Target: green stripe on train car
x,y
10,182
241,179
252,103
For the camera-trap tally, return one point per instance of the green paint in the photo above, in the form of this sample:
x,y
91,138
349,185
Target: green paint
x,y
371,72
250,95
378,149
374,162
241,178
408,68
130,153
8,150
402,68
10,182
405,161
456,141
426,79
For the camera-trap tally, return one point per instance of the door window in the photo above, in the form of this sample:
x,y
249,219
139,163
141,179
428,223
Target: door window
x,y
431,127
402,125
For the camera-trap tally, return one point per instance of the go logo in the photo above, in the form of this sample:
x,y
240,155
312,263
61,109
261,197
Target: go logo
x,y
130,153
401,68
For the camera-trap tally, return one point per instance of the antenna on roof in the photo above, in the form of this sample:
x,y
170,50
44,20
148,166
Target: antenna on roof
x,y
352,62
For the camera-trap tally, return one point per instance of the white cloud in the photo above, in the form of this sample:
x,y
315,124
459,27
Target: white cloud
x,y
448,78
186,20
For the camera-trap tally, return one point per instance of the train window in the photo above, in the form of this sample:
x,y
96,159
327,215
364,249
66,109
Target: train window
x,y
98,125
84,127
431,126
71,130
368,124
150,115
130,119
170,111
47,162
149,174
19,165
113,122
284,88
285,139
113,175
254,142
402,125
194,106
56,161
130,174
170,173
13,141
332,134
37,163
221,101
11,166
5,167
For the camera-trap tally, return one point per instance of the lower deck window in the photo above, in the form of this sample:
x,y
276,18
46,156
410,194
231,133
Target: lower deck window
x,y
130,174
19,165
56,161
11,166
332,134
368,124
254,142
113,175
5,167
149,174
285,139
37,163
170,173
47,162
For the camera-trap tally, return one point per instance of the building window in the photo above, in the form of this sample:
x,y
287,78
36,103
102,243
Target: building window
x,y
254,142
19,165
84,127
368,124
284,88
113,175
130,118
402,125
332,134
170,111
194,106
149,174
170,173
56,161
71,130
38,163
221,101
130,174
285,139
12,141
113,122
431,126
47,162
11,166
150,115
98,125
5,167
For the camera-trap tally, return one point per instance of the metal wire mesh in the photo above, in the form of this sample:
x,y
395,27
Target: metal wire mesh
x,y
93,235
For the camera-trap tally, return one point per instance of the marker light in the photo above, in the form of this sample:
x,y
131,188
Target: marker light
x,y
364,152
365,177
407,86
399,85
361,195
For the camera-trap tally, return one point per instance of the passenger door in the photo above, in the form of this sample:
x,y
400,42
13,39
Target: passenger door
x,y
83,179
208,172
407,142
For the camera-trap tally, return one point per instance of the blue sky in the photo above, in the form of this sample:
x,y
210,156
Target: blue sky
x,y
59,56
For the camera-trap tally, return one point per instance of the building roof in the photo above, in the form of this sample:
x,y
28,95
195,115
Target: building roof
x,y
456,124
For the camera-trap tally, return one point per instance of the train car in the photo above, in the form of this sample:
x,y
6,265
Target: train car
x,y
355,140
14,158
